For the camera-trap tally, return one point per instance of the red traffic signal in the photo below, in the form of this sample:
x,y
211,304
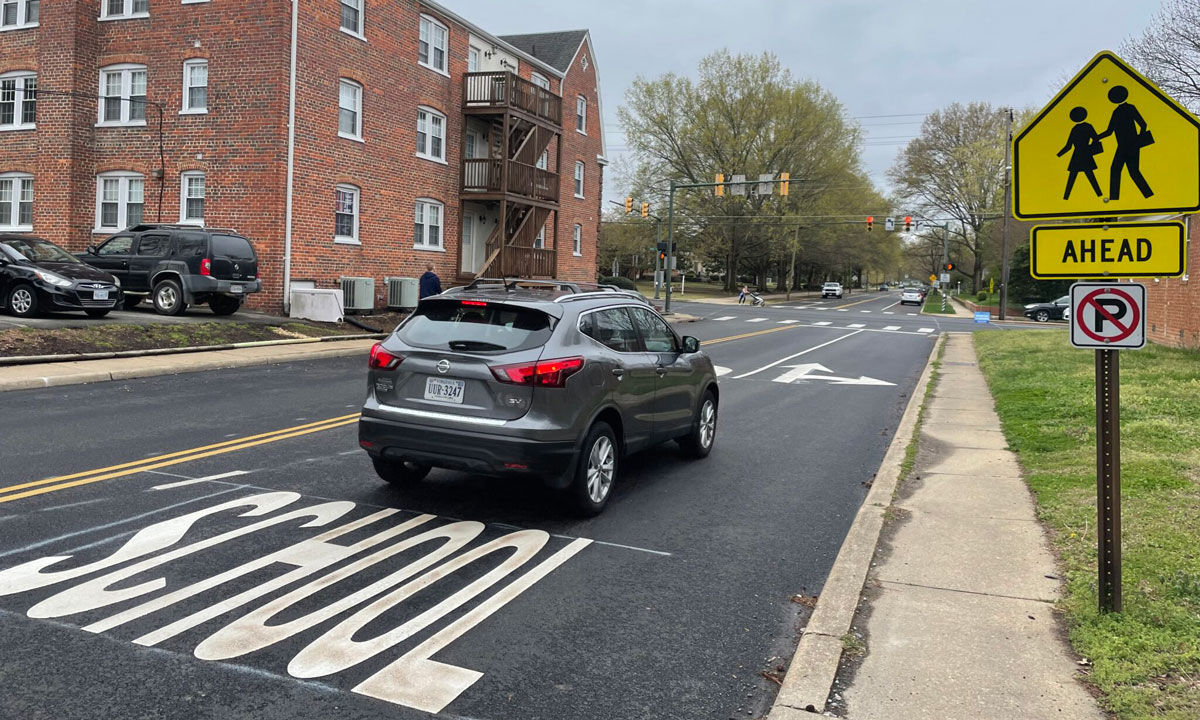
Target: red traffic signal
x,y
908,223
870,222
949,266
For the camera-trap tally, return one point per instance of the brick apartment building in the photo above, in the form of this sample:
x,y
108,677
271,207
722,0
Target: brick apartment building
x,y
358,138
1173,304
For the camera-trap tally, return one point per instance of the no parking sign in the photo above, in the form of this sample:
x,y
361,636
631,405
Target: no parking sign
x,y
1108,316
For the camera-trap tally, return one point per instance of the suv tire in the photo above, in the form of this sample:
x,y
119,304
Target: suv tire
x,y
595,471
399,472
224,305
699,442
168,298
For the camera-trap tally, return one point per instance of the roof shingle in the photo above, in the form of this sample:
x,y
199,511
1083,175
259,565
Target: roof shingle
x,y
556,49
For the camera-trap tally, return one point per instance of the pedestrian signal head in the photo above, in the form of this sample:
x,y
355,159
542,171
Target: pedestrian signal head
x,y
870,222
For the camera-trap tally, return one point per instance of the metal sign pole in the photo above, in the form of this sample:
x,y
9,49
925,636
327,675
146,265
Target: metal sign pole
x,y
657,260
1108,478
670,245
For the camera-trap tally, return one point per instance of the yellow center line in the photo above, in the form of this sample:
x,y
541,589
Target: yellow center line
x,y
158,458
176,461
860,302
750,334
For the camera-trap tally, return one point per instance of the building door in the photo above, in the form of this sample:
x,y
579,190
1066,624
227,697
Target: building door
x,y
474,243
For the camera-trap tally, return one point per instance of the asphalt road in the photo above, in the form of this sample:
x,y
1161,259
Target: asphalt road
x,y
220,573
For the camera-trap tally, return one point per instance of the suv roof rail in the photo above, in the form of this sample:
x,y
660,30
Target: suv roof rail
x,y
140,227
510,284
614,292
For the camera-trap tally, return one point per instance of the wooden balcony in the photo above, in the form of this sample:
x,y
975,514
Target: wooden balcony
x,y
505,90
485,176
524,262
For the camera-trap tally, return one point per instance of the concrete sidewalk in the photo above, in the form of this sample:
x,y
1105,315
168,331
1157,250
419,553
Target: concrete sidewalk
x,y
959,311
961,621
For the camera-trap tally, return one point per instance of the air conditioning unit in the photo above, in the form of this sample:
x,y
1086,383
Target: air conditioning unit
x,y
402,293
358,293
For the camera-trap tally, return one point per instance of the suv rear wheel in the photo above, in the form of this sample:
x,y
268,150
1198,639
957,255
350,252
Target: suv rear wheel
x,y
224,305
596,470
399,472
168,298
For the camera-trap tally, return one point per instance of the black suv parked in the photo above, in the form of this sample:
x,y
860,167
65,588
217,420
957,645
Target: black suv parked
x,y
180,265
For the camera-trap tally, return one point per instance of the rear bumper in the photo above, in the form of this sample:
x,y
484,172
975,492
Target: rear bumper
x,y
202,287
469,450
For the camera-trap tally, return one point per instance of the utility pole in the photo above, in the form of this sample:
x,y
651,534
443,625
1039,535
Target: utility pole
x,y
945,258
1004,228
792,274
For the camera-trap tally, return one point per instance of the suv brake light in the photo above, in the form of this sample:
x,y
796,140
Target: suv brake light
x,y
206,267
382,359
544,373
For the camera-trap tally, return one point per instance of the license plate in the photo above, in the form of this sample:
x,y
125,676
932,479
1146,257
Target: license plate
x,y
447,391
100,295
235,288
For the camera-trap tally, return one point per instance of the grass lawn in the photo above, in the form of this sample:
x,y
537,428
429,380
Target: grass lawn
x,y
992,300
693,289
933,304
1146,660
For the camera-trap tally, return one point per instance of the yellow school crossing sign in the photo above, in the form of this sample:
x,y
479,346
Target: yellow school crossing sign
x,y
1109,144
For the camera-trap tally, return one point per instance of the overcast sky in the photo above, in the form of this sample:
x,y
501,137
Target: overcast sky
x,y
902,58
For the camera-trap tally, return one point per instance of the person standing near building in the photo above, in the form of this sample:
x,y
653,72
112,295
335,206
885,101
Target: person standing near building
x,y
431,284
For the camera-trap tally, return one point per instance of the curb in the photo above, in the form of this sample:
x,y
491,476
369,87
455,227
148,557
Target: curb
x,y
811,672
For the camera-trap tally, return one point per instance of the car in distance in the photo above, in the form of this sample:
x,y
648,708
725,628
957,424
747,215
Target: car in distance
x,y
911,295
1058,309
883,287
543,382
831,289
36,275
180,265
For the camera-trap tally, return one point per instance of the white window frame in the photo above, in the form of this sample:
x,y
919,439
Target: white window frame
x,y
184,196
127,12
427,25
473,56
357,193
540,80
543,161
123,177
356,109
17,180
359,5
421,210
22,14
21,78
188,65
581,104
539,242
126,71
423,152
577,241
579,175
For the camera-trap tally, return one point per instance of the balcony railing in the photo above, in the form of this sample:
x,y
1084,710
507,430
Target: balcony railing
x,y
484,175
524,262
505,89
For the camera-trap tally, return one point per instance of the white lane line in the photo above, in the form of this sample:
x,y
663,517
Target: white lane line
x,y
787,322
757,320
823,322
842,310
74,504
864,311
892,305
181,483
885,312
911,314
727,317
167,474
349,452
892,327
856,325
925,330
790,357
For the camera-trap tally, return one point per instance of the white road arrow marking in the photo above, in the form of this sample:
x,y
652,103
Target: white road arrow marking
x,y
721,370
804,370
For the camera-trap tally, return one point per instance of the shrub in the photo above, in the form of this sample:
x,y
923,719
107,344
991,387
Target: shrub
x,y
981,295
622,282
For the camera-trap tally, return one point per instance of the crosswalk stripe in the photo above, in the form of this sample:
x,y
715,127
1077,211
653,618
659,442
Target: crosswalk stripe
x,y
757,320
856,325
787,322
823,322
885,312
912,314
892,327
925,330
727,317
864,311
842,310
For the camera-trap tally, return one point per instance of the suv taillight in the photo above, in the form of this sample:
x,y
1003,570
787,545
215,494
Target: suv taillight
x,y
544,373
382,359
206,267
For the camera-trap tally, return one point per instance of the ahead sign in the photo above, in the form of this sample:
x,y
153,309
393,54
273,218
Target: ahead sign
x,y
1108,315
1149,249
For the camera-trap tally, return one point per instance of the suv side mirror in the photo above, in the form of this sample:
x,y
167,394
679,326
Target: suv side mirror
x,y
691,344
92,249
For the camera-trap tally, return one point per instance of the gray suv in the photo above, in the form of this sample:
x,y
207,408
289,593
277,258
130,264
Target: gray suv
x,y
559,382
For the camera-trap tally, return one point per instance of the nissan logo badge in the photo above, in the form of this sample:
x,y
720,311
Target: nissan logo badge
x,y
443,366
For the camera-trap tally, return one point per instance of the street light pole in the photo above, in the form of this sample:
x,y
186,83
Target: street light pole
x,y
670,245
1004,231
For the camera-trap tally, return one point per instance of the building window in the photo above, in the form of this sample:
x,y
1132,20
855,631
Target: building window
x,y
350,110
579,178
431,135
16,14
427,225
123,95
581,114
543,161
352,20
18,101
195,86
345,214
117,9
191,198
539,80
432,43
472,59
16,202
577,245
119,198
539,242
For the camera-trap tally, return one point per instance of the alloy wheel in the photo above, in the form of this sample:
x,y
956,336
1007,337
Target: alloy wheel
x,y
708,423
166,296
21,300
601,463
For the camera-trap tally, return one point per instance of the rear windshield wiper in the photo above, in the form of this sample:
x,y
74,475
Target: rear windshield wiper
x,y
474,345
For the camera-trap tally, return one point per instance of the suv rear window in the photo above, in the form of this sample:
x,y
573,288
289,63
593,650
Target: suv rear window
x,y
232,246
475,326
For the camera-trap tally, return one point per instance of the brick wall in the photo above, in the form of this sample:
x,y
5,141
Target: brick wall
x,y
580,81
1173,304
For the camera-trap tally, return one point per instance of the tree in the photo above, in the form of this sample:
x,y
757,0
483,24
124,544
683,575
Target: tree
x,y
955,170
1168,51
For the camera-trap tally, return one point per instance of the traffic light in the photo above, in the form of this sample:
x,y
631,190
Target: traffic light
x,y
870,222
783,184
908,223
949,266
628,205
645,209
662,256
719,190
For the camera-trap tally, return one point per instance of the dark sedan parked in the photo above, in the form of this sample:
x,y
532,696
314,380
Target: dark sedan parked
x,y
1045,312
36,275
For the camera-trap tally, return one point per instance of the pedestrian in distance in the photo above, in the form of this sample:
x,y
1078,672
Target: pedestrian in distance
x,y
1086,146
1132,135
431,284
742,295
